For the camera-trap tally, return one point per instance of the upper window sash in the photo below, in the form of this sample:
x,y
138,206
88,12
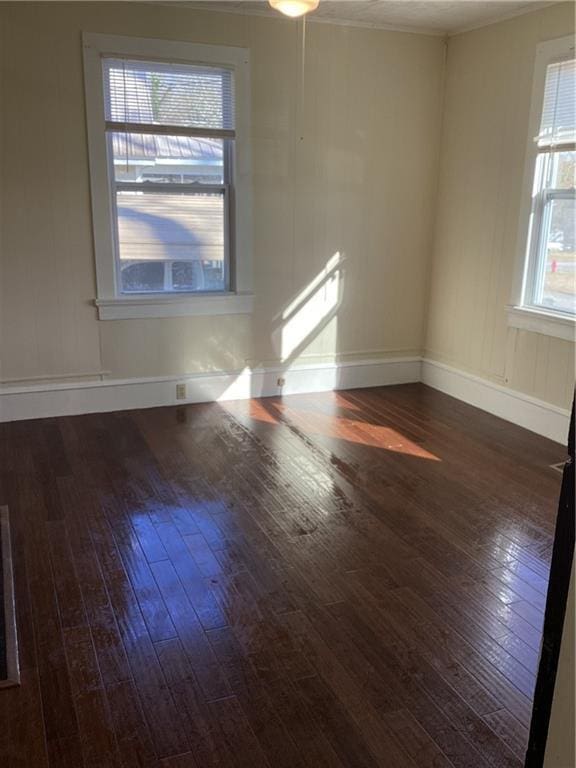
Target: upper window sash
x,y
172,98
169,130
561,146
558,114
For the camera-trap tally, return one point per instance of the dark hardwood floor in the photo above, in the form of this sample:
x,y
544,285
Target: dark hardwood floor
x,y
343,580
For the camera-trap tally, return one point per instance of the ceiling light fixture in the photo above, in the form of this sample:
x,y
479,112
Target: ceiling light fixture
x,y
294,8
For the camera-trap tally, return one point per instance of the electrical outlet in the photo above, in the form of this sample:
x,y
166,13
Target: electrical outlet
x,y
180,391
280,382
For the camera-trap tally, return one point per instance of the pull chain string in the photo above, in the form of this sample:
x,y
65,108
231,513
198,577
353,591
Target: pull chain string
x,y
303,78
299,104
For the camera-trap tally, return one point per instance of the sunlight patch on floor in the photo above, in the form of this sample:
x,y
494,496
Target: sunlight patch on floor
x,y
339,427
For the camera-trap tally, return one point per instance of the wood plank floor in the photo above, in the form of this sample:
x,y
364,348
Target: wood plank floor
x,y
343,580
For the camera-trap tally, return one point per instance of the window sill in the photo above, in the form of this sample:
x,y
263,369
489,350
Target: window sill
x,y
145,306
547,323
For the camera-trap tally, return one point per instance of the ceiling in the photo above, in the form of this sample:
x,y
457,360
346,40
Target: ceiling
x,y
433,16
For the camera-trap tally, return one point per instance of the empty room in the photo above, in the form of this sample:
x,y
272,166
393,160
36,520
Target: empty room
x,y
287,336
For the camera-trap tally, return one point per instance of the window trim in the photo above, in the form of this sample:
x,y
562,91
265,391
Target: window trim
x,y
110,302
520,314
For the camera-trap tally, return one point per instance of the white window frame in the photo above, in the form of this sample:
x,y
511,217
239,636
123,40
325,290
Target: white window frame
x,y
111,304
521,314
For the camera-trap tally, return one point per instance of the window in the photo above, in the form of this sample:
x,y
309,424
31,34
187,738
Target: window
x,y
552,245
548,289
170,194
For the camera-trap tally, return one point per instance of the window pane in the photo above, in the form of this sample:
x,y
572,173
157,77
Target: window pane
x,y
141,276
559,279
166,230
559,108
167,159
197,276
559,170
169,94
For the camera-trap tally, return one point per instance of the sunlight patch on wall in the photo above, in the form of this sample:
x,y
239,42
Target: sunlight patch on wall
x,y
310,313
241,387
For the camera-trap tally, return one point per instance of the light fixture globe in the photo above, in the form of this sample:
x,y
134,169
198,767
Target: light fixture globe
x,y
294,8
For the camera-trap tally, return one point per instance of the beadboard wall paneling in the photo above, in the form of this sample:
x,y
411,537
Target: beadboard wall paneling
x,y
344,163
487,103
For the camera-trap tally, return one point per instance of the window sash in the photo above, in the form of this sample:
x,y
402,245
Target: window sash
x,y
538,241
188,191
157,187
113,126
129,95
557,125
549,149
226,189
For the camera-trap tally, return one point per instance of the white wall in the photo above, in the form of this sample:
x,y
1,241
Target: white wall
x,y
487,103
361,183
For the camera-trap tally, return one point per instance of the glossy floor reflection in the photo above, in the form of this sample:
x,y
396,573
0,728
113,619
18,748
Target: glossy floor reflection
x,y
351,579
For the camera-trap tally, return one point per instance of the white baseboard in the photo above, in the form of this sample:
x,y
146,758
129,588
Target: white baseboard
x,y
66,399
533,414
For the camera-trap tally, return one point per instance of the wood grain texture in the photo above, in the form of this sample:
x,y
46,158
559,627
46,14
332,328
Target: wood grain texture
x,y
316,581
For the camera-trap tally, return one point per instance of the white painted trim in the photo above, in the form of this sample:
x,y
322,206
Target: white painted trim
x,y
69,398
138,307
529,412
547,323
103,224
55,377
45,400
